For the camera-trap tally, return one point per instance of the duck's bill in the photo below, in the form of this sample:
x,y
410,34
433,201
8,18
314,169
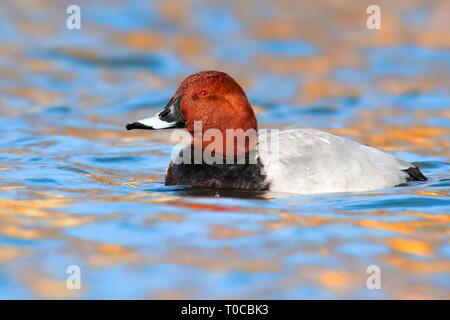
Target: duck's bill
x,y
169,117
153,123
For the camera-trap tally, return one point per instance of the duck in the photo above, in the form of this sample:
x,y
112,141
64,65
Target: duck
x,y
303,161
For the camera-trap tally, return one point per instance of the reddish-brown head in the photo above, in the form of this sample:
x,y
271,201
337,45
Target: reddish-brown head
x,y
215,99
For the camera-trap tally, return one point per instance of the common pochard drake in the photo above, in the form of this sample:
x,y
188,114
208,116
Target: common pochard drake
x,y
304,161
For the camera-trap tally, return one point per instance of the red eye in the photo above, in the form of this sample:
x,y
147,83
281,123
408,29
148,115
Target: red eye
x,y
203,93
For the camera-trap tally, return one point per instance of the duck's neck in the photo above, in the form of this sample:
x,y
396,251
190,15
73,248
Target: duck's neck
x,y
206,156
229,143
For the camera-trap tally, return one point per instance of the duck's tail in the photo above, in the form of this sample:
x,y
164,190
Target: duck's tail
x,y
414,174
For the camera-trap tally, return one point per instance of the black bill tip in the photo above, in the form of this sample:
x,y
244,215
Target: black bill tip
x,y
137,125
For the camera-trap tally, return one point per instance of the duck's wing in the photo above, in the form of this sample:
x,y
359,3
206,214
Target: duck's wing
x,y
313,161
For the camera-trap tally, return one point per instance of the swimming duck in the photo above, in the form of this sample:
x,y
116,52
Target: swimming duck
x,y
305,161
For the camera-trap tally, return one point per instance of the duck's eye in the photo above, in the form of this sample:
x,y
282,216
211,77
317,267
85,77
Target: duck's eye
x,y
203,93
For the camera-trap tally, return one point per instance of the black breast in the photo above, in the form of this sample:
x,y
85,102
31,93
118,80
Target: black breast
x,y
229,176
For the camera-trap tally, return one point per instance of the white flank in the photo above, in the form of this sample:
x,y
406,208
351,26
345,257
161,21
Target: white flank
x,y
312,161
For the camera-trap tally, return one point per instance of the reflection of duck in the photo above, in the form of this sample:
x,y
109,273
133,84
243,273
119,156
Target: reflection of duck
x,y
305,160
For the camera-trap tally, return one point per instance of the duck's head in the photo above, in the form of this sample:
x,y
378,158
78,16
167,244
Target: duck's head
x,y
212,97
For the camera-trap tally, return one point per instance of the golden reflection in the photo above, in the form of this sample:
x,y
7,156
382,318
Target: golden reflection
x,y
335,279
288,220
374,129
222,263
142,40
9,253
409,265
206,206
26,233
221,232
407,227
38,218
411,246
175,294
110,254
34,95
432,193
48,288
102,255
164,217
